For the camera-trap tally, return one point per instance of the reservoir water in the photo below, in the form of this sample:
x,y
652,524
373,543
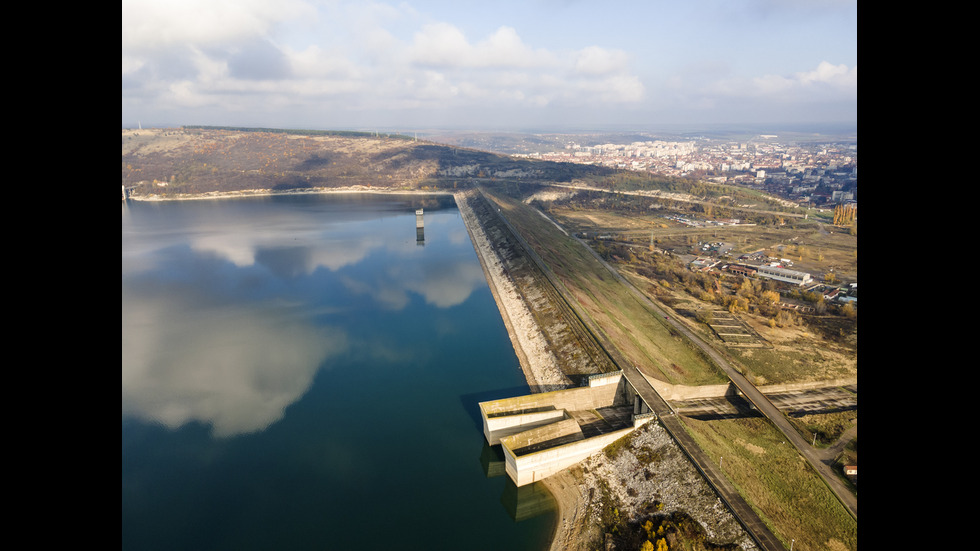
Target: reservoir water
x,y
303,372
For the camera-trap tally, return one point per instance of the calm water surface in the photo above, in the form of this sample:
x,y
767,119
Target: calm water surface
x,y
301,373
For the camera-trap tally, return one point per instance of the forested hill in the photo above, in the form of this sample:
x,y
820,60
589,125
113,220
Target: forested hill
x,y
196,160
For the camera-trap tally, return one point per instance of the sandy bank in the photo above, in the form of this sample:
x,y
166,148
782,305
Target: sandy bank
x,y
573,530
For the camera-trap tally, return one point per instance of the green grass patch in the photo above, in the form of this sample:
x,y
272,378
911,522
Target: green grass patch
x,y
774,366
827,427
784,365
777,482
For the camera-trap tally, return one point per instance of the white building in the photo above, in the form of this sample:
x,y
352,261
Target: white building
x,y
782,274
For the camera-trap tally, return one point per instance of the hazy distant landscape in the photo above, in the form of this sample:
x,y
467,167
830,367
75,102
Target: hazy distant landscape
x,y
554,139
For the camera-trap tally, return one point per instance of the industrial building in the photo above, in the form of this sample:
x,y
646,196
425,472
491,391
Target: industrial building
x,y
785,275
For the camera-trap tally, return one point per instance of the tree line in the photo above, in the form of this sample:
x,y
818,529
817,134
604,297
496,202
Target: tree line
x,y
844,214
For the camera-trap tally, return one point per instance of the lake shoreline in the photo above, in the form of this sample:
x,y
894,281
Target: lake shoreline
x,y
270,193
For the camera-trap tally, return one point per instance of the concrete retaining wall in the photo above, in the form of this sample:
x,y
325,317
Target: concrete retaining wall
x,y
681,392
671,392
537,435
777,389
512,415
495,428
566,430
538,465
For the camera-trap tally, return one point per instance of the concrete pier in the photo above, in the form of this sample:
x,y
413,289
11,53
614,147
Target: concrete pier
x,y
541,434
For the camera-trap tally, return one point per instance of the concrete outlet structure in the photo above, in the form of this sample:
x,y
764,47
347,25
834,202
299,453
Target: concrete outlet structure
x,y
541,434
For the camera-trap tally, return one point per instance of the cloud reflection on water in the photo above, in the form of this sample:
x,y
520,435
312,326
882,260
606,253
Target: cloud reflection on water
x,y
197,347
236,367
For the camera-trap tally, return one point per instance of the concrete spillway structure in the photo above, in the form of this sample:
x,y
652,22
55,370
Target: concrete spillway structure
x,y
541,434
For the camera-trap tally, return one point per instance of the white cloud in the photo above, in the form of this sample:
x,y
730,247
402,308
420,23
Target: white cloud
x,y
209,57
444,45
325,62
616,88
840,76
830,81
504,48
185,93
594,60
440,44
151,24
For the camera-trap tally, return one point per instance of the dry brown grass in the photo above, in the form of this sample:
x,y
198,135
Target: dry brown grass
x,y
775,479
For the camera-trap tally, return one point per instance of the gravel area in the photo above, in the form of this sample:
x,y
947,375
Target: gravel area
x,y
651,468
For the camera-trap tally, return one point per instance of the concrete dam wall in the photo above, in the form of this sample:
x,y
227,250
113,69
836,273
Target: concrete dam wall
x,y
541,434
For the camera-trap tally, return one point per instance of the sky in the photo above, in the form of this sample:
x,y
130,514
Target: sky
x,y
503,65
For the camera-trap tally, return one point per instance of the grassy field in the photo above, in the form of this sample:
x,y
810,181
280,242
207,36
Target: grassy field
x,y
819,348
639,333
824,428
776,480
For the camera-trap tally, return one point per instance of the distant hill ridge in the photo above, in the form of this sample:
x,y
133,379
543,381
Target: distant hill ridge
x,y
203,159
301,132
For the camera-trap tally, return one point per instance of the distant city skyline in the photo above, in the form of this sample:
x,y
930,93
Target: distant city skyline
x,y
506,65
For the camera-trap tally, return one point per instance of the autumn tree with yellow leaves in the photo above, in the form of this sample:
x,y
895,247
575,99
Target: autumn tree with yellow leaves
x,y
844,214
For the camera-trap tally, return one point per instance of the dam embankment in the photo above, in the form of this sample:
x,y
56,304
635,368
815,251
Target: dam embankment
x,y
547,337
549,348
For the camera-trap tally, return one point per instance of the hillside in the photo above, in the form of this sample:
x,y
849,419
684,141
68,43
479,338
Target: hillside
x,y
177,161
